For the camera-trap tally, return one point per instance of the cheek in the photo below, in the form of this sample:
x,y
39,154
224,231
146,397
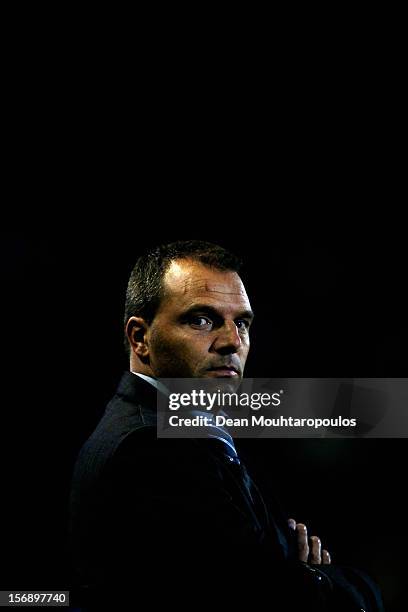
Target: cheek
x,y
245,351
176,352
189,348
161,345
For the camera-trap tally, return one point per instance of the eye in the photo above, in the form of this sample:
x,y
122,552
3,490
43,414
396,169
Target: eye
x,y
199,322
242,324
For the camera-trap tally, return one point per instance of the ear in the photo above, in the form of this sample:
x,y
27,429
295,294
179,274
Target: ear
x,y
136,331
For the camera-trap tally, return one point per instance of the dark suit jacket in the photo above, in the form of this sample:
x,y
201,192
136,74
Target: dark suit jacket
x,y
155,515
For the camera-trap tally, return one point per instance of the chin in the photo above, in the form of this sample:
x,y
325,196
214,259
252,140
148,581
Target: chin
x,y
225,384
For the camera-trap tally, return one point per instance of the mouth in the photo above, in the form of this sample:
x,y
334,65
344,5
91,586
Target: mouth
x,y
224,372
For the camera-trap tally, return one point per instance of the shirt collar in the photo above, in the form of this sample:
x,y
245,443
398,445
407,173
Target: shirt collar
x,y
152,381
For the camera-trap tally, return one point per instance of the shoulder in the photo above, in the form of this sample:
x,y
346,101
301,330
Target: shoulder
x,y
121,421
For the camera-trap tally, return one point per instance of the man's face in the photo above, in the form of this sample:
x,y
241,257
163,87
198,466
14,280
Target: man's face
x,y
201,328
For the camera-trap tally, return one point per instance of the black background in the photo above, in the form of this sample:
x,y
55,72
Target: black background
x,y
295,163
329,302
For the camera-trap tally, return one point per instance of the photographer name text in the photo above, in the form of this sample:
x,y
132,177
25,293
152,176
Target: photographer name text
x,y
258,421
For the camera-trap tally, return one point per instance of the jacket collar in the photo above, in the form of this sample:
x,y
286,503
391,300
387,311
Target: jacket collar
x,y
136,390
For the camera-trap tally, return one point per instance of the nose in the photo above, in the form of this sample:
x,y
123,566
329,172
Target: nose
x,y
228,339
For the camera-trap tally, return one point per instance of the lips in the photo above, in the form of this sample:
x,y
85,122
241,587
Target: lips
x,y
224,371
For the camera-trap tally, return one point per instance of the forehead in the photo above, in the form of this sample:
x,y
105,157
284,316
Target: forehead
x,y
187,281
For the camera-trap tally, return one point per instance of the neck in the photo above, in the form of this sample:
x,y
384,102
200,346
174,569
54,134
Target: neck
x,y
137,367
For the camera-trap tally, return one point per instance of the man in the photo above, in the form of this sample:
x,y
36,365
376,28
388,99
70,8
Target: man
x,y
151,514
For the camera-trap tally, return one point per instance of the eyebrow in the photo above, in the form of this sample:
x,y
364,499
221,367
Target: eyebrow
x,y
244,314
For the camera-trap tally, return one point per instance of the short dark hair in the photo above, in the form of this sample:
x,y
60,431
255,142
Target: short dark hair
x,y
145,287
